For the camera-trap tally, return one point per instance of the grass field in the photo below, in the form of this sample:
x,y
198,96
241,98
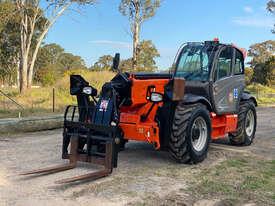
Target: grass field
x,y
265,95
235,181
229,176
242,178
39,101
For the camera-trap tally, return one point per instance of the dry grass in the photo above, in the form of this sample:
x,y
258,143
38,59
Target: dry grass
x,y
239,180
38,101
265,95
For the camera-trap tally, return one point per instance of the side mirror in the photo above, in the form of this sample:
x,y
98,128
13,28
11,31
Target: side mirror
x,y
116,60
178,88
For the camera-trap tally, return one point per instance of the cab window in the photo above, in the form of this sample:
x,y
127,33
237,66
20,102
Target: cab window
x,y
193,63
224,63
238,65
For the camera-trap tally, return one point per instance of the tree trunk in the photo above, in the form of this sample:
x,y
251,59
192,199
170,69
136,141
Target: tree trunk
x,y
28,25
24,48
40,40
18,75
23,70
135,45
136,30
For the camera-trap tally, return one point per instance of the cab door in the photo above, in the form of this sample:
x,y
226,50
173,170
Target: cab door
x,y
228,80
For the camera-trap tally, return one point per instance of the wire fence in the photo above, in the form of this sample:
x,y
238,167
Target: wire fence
x,y
7,101
52,101
38,104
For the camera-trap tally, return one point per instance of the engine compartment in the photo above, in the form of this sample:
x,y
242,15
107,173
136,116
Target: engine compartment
x,y
137,112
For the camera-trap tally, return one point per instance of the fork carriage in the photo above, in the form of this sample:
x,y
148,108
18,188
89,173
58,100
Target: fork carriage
x,y
90,135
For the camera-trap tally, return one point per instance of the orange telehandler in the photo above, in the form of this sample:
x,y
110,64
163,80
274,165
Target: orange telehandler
x,y
181,111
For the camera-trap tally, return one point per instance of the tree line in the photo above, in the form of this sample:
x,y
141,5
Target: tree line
x,y
24,25
145,59
25,58
53,62
262,64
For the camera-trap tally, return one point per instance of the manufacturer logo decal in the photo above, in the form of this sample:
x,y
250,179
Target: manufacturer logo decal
x,y
103,105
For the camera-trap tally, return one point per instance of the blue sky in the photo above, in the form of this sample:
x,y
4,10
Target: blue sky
x,y
101,29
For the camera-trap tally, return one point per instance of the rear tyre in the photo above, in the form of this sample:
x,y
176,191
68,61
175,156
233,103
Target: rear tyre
x,y
247,123
190,133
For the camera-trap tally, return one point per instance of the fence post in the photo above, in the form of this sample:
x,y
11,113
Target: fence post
x,y
53,99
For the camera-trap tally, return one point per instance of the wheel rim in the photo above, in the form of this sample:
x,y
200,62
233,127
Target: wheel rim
x,y
249,123
199,134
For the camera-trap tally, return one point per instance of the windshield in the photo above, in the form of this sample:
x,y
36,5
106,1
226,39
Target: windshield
x,y
194,61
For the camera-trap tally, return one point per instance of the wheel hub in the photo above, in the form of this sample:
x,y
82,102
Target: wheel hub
x,y
199,134
249,123
195,134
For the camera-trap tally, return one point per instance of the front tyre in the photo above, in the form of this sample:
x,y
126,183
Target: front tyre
x,y
122,144
190,134
247,123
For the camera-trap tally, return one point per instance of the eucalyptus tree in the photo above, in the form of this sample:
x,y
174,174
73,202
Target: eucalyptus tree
x,y
262,61
32,16
104,63
138,11
9,41
146,56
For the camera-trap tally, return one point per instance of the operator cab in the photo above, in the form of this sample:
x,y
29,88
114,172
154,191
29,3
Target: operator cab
x,y
214,71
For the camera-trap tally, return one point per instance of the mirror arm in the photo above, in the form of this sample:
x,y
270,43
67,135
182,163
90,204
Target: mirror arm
x,y
94,99
145,116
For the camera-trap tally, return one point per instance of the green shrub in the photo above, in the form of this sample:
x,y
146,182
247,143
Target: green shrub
x,y
248,75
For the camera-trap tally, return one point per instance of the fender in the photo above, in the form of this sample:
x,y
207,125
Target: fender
x,y
246,96
191,99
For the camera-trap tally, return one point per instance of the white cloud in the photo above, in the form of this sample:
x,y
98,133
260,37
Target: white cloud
x,y
248,9
254,21
116,44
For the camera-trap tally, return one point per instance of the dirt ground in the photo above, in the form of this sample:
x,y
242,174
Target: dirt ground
x,y
143,176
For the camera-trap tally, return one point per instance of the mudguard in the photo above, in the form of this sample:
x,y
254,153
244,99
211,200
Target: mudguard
x,y
191,99
247,96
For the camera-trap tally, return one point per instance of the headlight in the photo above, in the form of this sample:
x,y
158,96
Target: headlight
x,y
87,90
156,97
